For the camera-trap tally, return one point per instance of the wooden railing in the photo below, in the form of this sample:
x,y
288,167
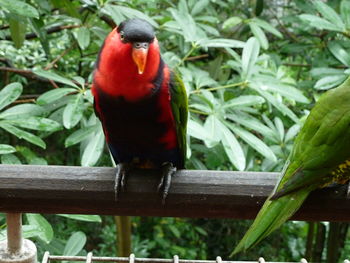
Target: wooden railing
x,y
79,190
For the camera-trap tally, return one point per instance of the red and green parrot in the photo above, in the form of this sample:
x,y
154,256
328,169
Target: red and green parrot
x,y
141,103
320,157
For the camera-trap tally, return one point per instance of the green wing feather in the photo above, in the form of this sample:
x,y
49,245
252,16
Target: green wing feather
x,y
179,107
322,144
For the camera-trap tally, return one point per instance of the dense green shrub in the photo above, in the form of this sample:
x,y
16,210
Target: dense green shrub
x,y
252,70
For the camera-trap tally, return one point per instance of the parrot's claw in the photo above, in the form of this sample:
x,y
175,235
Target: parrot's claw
x,y
120,177
168,170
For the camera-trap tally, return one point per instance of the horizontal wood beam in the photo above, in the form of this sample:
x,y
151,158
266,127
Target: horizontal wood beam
x,y
79,190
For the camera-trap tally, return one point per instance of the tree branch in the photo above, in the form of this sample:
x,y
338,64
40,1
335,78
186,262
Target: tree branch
x,y
309,65
48,31
28,74
197,57
64,52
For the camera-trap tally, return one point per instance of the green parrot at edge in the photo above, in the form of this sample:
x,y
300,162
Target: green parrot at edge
x,y
320,157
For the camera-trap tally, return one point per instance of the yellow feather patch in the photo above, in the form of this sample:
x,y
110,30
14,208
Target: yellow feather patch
x,y
340,174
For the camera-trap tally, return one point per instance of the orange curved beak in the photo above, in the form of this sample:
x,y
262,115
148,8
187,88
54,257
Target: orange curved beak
x,y
139,55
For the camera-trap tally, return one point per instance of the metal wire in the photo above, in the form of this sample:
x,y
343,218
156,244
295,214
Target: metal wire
x,y
89,258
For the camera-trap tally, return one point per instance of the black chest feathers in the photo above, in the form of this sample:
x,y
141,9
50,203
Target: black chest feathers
x,y
132,127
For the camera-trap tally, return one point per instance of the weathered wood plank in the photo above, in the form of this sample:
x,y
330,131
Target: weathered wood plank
x,y
63,189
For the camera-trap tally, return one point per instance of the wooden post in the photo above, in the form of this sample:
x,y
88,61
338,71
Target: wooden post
x,y
14,232
16,249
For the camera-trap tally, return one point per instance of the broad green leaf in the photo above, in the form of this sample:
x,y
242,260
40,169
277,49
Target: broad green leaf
x,y
30,231
73,112
83,37
211,128
134,13
330,81
10,159
208,97
204,106
285,90
53,95
251,123
18,31
324,72
292,133
207,19
345,12
70,8
249,56
231,22
279,128
182,6
19,8
232,148
79,135
86,218
36,123
244,101
75,244
175,231
339,52
187,25
99,32
5,149
55,77
38,26
198,164
22,110
196,130
114,13
221,42
263,24
23,134
45,231
259,34
80,80
118,14
254,142
318,22
329,14
268,122
38,161
277,104
199,7
202,79
10,93
201,231
30,156
209,29
93,149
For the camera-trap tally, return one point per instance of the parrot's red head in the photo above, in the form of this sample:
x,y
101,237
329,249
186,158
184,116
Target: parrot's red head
x,y
138,34
130,58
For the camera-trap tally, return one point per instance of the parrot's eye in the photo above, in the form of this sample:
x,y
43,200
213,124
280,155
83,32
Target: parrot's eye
x,y
139,45
121,35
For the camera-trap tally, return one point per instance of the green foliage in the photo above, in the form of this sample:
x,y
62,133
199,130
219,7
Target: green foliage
x,y
252,71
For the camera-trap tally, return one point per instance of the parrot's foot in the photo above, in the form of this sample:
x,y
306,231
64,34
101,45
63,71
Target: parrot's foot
x,y
168,170
120,178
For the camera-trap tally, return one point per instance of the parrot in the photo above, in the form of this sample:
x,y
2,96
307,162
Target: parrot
x,y
141,103
320,157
